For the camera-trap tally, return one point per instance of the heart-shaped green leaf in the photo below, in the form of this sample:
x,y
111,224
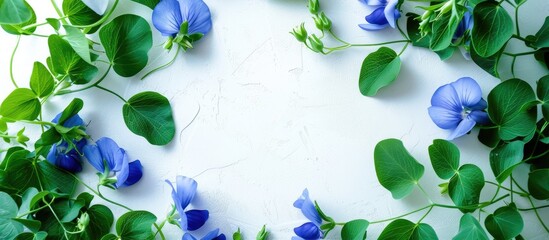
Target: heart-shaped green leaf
x,y
470,229
149,114
355,230
489,64
505,223
542,36
14,12
402,229
17,29
543,95
80,14
396,169
8,211
465,186
379,69
128,50
78,41
41,81
492,28
504,158
65,62
444,158
135,225
21,104
538,183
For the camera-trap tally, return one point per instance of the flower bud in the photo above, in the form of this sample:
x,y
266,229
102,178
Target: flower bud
x,y
326,22
83,221
300,33
316,44
314,5
318,23
169,43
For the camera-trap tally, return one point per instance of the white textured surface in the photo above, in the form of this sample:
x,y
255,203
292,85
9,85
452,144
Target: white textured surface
x,y
273,118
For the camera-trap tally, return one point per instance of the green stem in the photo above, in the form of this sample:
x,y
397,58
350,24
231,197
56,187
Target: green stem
x,y
519,54
163,66
59,12
87,87
537,215
473,207
533,208
404,48
11,61
402,32
348,45
403,215
7,136
424,192
337,38
537,156
425,215
32,211
522,194
513,65
102,19
57,218
111,92
40,24
159,228
44,123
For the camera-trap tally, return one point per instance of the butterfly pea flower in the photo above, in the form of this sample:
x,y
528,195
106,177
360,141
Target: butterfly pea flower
x,y
182,195
458,106
64,155
465,25
213,235
309,230
386,14
183,21
112,162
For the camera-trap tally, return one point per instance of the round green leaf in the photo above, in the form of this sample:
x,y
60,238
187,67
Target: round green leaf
x,y
66,62
14,12
396,169
543,95
101,220
492,28
128,50
80,14
465,186
538,184
41,81
136,225
444,158
470,229
17,29
379,69
505,104
149,114
355,230
21,104
504,158
402,229
505,223
8,210
542,36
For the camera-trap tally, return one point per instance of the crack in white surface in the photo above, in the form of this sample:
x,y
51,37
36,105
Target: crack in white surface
x,y
218,168
250,55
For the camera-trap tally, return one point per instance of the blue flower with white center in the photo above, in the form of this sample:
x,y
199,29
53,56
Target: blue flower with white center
x,y
182,195
213,235
310,230
386,14
458,106
64,155
112,162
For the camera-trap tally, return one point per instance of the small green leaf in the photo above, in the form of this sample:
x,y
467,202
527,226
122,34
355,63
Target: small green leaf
x,y
66,62
444,29
538,183
8,211
32,236
21,104
80,14
262,234
78,41
396,169
32,225
505,103
444,158
412,27
489,64
505,223
492,28
149,3
26,200
446,53
72,109
136,225
465,187
149,114
543,95
355,230
128,50
470,229
379,69
237,235
14,12
542,36
110,236
504,158
41,81
54,23
402,229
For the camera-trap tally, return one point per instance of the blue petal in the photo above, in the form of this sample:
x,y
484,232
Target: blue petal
x,y
377,17
444,118
446,97
186,189
480,117
211,235
188,236
308,231
220,237
166,17
197,13
464,127
71,122
111,153
124,172
391,13
196,219
307,207
91,152
374,2
481,105
69,161
468,91
372,27
135,172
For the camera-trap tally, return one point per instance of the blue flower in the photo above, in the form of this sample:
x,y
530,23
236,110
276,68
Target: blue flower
x,y
386,14
458,106
466,24
112,163
169,15
309,230
182,196
213,235
64,156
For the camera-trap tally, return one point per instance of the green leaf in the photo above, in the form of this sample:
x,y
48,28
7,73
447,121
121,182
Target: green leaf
x,y
110,236
505,103
17,29
444,158
72,109
8,211
80,14
379,69
538,183
396,169
78,41
32,236
444,29
127,51
149,114
505,223
402,229
32,225
54,23
470,229
412,27
101,220
41,81
237,235
149,3
542,36
492,28
136,225
14,12
355,230
504,158
489,64
21,104
66,62
543,95
446,53
262,234
26,200
465,187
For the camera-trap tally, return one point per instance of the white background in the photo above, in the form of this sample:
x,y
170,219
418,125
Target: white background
x,y
273,118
